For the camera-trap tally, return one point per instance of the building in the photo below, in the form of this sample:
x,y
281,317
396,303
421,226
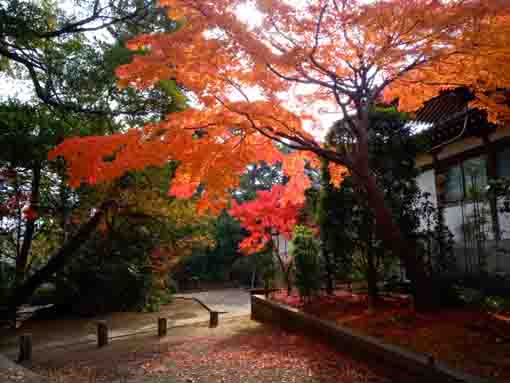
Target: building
x,y
464,151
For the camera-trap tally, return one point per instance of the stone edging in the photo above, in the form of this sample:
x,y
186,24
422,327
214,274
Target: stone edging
x,y
425,369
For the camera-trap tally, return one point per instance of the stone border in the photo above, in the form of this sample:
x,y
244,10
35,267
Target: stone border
x,y
424,368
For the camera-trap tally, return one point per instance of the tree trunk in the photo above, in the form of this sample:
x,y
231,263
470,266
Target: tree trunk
x,y
371,271
330,280
285,270
371,280
58,261
288,281
253,275
323,216
406,249
22,258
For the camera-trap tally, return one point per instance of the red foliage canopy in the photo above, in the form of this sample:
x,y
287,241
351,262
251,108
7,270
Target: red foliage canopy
x,y
269,214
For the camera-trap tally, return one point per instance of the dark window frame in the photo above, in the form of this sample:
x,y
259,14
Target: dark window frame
x,y
460,163
494,148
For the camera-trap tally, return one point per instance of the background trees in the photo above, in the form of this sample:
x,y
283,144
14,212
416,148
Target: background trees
x,y
339,53
64,58
345,52
333,208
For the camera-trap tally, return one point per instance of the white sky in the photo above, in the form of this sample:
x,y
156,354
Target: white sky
x,y
327,114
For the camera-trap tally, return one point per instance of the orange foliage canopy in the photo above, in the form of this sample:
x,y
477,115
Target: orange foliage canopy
x,y
478,62
342,53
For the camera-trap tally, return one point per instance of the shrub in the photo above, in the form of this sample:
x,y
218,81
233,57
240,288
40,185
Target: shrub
x,y
7,273
497,304
305,250
471,297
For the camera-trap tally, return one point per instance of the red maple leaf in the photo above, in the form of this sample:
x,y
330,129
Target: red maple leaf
x,y
270,214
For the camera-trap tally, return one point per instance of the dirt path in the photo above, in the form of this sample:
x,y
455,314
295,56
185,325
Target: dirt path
x,y
239,351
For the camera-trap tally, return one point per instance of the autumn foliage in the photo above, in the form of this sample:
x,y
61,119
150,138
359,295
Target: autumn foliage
x,y
256,86
270,214
344,53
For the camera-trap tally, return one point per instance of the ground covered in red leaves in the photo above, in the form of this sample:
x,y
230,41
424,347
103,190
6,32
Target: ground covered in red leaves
x,y
463,338
241,352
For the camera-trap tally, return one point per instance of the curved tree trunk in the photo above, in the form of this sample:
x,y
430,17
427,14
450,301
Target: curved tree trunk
x,y
56,262
28,235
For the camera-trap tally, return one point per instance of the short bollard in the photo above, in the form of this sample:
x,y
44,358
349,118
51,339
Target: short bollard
x,y
102,333
25,348
213,320
162,327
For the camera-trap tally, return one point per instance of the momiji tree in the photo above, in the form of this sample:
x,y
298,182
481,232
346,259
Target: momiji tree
x,y
269,215
265,216
342,52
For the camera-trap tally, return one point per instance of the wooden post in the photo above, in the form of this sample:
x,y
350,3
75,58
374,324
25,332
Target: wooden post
x,y
25,348
162,327
102,333
213,320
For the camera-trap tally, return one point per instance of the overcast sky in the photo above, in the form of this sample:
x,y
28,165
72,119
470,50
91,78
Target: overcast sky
x,y
23,89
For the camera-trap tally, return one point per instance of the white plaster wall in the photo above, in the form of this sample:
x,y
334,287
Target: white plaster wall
x,y
497,262
504,221
283,247
454,220
427,183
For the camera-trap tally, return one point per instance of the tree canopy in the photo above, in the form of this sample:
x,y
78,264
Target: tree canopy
x,y
254,85
342,52
266,217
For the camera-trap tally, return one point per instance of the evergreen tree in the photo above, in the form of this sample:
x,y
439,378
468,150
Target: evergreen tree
x,y
305,251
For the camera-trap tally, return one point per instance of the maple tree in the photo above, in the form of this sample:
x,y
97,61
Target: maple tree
x,y
267,218
344,53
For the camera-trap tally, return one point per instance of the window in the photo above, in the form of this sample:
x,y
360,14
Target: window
x,y
475,177
503,163
464,181
454,185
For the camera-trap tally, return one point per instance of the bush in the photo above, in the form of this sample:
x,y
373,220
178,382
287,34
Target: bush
x,y
471,297
109,273
305,250
497,304
156,299
99,285
44,295
7,273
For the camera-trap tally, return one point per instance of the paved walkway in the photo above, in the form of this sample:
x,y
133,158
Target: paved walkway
x,y
184,311
10,372
233,302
